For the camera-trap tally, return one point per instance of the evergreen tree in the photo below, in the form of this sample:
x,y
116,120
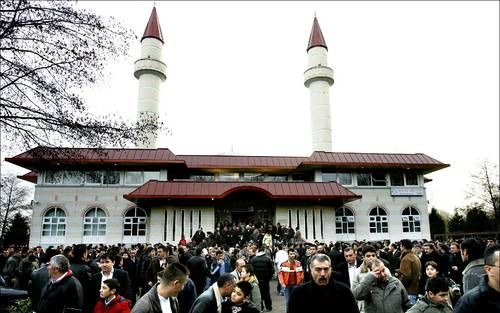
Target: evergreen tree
x,y
436,223
18,231
456,223
477,219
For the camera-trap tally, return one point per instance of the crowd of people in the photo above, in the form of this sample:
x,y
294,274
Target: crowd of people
x,y
235,269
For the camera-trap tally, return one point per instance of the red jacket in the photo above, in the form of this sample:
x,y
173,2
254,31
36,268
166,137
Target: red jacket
x,y
118,305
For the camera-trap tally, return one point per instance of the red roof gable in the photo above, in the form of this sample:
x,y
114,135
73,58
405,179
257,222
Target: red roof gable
x,y
316,38
217,190
29,177
231,161
153,29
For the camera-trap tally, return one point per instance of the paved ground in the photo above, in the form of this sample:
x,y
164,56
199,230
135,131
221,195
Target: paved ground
x,y
278,301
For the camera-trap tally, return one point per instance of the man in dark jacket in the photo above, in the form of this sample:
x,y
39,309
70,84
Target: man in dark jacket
x,y
106,263
322,294
198,268
64,292
486,296
39,278
83,273
264,270
347,270
456,263
163,294
210,301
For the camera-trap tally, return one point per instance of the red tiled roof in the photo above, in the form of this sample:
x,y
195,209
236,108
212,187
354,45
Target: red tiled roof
x,y
41,155
373,160
29,177
316,38
153,29
206,190
230,161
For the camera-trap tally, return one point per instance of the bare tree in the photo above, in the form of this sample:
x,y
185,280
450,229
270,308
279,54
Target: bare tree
x,y
486,188
13,200
48,51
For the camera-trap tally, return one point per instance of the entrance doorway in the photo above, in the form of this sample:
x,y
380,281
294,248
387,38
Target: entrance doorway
x,y
245,207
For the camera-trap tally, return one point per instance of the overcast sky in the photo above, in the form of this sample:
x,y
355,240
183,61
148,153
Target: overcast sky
x,y
410,77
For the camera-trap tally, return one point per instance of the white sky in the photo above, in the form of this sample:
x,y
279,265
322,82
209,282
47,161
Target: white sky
x,y
417,76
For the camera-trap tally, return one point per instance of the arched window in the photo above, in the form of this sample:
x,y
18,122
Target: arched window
x,y
411,220
54,223
94,223
378,220
344,221
134,223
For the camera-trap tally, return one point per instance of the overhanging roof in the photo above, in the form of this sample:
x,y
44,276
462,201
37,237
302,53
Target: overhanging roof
x,y
154,189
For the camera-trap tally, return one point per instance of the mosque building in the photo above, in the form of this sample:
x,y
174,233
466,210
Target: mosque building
x,y
151,194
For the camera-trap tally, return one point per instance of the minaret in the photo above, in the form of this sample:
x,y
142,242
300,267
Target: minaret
x,y
318,78
150,71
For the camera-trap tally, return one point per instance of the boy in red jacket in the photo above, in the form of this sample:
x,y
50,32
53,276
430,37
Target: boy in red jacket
x,y
110,301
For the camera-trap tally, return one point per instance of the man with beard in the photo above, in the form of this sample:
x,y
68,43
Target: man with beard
x,y
322,294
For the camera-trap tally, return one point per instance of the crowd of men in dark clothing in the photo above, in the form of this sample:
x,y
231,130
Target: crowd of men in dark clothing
x,y
198,274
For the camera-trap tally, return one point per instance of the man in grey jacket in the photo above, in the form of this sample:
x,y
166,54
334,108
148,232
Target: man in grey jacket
x,y
472,255
381,292
162,296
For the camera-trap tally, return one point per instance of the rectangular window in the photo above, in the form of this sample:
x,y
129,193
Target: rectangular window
x,y
289,218
364,179
165,226
204,177
93,178
321,221
378,179
53,177
276,178
182,222
151,176
229,177
397,179
133,178
111,178
314,223
73,178
199,219
190,223
173,225
344,178
411,179
253,177
305,222
328,177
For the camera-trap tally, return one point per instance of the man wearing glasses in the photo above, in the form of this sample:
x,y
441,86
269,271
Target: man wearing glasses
x,y
486,296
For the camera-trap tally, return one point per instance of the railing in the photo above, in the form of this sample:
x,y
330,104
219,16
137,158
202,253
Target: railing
x,y
462,235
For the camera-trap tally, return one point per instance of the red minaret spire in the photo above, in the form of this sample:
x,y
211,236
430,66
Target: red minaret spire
x,y
316,39
153,29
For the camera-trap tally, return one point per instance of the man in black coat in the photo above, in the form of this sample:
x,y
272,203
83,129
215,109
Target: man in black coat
x,y
345,271
264,270
83,273
198,268
40,278
210,301
63,292
322,294
106,263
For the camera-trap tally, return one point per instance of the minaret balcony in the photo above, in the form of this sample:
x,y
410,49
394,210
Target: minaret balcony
x,y
316,73
150,66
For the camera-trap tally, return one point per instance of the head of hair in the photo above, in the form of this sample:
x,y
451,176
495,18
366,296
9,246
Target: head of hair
x,y
406,243
245,287
320,257
219,252
105,256
438,284
199,250
173,272
224,279
430,245
433,264
374,263
347,249
489,254
250,269
292,250
60,262
79,251
262,248
475,248
368,248
112,284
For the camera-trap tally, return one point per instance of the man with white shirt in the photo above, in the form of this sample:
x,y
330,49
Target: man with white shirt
x,y
161,298
346,271
238,266
210,301
106,264
280,257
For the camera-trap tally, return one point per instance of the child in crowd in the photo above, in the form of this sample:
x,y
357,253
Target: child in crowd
x,y
239,302
432,271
